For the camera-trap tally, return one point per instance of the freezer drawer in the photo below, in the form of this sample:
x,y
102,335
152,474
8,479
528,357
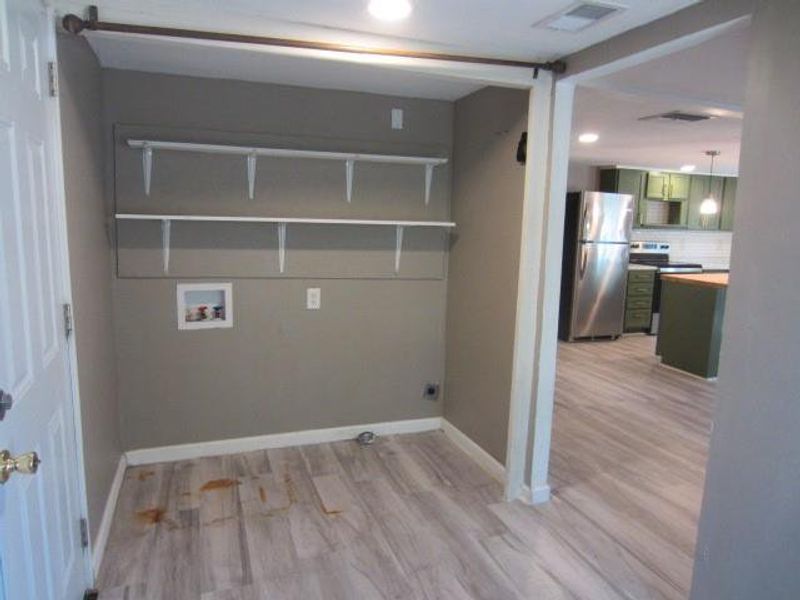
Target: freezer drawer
x,y
598,301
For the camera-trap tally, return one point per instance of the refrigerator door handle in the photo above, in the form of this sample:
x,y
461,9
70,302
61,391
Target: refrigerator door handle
x,y
585,225
584,257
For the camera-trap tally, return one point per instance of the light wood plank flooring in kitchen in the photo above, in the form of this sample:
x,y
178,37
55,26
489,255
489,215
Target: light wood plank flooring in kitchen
x,y
413,517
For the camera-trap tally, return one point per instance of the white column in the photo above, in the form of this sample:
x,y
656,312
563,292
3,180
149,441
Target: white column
x,y
527,324
551,290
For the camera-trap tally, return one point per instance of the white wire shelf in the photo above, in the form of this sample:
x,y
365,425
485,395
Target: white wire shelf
x,y
251,153
281,222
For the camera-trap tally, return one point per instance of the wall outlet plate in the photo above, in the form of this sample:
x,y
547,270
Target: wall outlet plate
x,y
397,118
313,298
430,391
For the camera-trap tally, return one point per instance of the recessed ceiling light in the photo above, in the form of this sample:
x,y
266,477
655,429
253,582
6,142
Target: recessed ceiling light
x,y
389,10
688,168
588,138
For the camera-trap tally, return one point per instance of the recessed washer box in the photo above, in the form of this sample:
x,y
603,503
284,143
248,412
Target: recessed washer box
x,y
205,305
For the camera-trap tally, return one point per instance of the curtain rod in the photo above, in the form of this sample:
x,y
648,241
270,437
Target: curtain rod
x,y
74,24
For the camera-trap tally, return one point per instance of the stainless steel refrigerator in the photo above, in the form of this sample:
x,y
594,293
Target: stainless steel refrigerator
x,y
595,265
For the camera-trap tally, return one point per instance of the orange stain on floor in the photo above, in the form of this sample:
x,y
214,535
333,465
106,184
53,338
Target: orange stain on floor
x,y
219,484
151,516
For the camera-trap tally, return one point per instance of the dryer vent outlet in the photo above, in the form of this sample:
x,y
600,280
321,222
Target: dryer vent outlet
x,y
431,391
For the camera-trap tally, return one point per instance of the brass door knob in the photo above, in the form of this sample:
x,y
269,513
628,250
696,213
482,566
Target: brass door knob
x,y
27,464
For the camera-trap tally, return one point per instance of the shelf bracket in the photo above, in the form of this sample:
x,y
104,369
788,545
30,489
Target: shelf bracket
x,y
281,247
251,175
428,182
147,167
349,166
398,248
165,243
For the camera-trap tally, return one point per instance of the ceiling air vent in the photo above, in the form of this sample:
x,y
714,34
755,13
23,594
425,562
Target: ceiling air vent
x,y
580,16
677,116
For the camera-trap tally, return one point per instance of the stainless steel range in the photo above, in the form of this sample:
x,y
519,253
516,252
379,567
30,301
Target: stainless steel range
x,y
656,254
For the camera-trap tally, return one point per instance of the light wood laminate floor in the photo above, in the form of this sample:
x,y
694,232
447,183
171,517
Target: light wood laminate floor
x,y
413,517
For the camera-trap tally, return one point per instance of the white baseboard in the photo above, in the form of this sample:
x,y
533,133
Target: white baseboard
x,y
99,545
475,452
494,467
147,456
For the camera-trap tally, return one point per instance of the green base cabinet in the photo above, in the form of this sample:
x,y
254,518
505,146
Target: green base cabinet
x,y
639,300
690,329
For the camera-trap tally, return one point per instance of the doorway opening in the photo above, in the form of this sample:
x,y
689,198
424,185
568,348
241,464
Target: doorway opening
x,y
639,330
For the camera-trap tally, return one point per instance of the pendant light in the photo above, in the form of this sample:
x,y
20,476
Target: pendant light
x,y
709,205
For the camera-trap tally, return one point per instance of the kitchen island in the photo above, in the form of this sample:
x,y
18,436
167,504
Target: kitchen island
x,y
690,332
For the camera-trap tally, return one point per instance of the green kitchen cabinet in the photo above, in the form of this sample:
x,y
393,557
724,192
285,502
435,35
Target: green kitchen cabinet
x,y
639,300
626,181
657,185
728,204
672,200
667,186
700,187
690,329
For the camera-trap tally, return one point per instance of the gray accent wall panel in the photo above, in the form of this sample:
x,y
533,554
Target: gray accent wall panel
x,y
488,192
378,338
91,261
749,538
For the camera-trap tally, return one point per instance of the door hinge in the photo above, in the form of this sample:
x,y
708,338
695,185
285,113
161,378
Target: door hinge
x,y
84,533
52,78
68,326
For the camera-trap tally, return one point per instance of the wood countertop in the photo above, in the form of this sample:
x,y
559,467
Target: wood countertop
x,y
715,280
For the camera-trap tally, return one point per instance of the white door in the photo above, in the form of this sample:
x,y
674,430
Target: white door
x,y
40,545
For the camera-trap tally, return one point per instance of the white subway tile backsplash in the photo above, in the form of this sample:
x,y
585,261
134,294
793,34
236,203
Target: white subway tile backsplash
x,y
712,249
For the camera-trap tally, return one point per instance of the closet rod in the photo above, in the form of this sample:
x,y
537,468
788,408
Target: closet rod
x,y
74,24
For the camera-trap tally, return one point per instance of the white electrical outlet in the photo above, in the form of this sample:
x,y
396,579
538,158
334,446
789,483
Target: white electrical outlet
x,y
397,118
313,298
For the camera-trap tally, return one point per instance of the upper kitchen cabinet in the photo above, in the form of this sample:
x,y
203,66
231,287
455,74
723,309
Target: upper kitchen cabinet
x,y
681,205
667,186
626,181
700,187
728,203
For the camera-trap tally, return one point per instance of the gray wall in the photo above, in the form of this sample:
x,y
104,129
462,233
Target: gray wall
x,y
693,19
582,177
749,540
90,266
488,191
378,338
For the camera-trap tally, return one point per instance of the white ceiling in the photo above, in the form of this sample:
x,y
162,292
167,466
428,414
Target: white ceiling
x,y
624,140
170,56
708,78
483,27
711,73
